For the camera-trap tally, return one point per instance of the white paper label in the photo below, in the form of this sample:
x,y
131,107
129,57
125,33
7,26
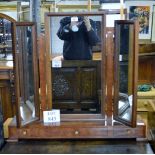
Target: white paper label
x,y
120,57
140,123
51,116
74,19
56,64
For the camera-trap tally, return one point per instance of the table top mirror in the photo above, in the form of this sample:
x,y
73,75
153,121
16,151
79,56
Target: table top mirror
x,y
75,84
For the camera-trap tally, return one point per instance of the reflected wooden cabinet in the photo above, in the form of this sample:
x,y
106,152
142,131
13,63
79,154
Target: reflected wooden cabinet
x,y
85,91
6,66
7,92
8,106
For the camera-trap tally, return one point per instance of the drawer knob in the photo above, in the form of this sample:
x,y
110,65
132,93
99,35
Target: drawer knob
x,y
76,132
24,132
129,131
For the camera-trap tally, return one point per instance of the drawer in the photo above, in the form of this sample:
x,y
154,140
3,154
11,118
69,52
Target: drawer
x,y
58,132
139,131
123,132
145,105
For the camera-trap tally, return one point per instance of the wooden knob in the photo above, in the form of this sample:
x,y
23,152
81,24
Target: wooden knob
x,y
76,132
24,132
128,131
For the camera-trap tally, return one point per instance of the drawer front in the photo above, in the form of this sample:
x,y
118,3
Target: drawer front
x,y
144,105
123,132
63,133
129,132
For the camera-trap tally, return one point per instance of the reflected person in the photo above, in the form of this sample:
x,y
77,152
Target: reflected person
x,y
79,36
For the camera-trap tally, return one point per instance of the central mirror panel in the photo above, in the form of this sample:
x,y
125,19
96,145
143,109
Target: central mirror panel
x,y
77,83
76,55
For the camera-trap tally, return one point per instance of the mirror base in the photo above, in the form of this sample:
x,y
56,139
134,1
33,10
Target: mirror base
x,y
75,130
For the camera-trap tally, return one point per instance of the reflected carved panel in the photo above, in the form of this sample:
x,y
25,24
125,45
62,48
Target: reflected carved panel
x,y
60,85
64,84
76,86
88,83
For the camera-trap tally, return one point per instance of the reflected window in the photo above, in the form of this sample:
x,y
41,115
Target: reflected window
x,y
5,39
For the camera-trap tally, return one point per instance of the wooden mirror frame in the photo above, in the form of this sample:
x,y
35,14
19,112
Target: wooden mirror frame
x,y
35,69
133,72
48,104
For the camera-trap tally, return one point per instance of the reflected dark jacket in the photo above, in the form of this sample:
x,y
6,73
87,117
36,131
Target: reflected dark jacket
x,y
77,45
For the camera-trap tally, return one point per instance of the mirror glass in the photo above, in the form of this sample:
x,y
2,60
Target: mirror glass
x,y
25,57
5,39
76,63
125,38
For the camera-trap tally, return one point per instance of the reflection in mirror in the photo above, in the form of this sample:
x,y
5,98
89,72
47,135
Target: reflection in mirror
x,y
24,51
124,107
5,39
76,78
124,71
125,85
77,37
